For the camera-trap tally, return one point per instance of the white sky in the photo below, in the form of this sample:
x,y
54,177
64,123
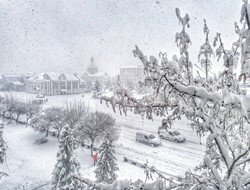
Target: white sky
x,y
62,35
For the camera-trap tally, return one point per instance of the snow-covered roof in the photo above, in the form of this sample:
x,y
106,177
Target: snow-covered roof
x,y
53,76
17,83
71,77
12,75
131,66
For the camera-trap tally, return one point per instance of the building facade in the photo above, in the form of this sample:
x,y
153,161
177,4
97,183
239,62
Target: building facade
x,y
132,74
54,84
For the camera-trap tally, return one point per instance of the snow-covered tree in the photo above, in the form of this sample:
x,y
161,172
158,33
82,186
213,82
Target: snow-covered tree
x,y
3,146
41,124
3,149
97,89
206,50
183,41
31,111
19,109
8,106
50,118
130,85
94,127
244,41
118,81
57,118
213,107
75,111
66,165
106,165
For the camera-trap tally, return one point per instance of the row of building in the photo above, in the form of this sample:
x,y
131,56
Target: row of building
x,y
43,83
61,83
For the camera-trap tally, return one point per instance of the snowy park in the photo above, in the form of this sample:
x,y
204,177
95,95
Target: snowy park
x,y
125,95
25,157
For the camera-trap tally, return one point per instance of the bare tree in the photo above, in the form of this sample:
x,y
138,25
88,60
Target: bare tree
x,y
74,112
31,111
94,127
9,106
19,109
47,120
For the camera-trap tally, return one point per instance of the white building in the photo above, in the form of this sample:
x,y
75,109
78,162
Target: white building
x,y
53,84
132,74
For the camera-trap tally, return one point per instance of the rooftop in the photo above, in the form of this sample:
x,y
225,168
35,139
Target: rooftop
x,y
132,66
53,76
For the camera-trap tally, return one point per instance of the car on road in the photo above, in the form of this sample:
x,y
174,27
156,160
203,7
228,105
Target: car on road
x,y
171,135
147,138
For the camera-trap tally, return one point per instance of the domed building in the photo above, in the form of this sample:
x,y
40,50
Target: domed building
x,y
92,74
92,68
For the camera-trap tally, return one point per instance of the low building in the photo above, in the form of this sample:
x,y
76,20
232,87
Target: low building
x,y
54,84
13,82
132,74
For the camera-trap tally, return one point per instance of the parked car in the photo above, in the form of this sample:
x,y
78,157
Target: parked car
x,y
37,102
149,139
40,96
171,135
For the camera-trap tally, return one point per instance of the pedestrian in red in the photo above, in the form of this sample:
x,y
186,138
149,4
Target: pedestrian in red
x,y
95,157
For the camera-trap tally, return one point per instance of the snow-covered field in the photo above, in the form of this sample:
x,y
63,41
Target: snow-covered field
x,y
29,162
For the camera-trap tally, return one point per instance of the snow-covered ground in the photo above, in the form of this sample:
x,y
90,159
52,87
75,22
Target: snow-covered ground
x,y
30,162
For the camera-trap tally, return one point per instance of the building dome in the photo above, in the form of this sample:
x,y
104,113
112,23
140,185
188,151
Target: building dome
x,y
92,68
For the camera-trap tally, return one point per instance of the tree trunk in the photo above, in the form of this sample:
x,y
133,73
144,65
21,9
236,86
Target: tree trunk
x,y
47,132
17,117
206,69
27,120
91,149
10,118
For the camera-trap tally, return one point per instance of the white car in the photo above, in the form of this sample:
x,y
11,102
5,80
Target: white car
x,y
147,138
40,96
171,135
